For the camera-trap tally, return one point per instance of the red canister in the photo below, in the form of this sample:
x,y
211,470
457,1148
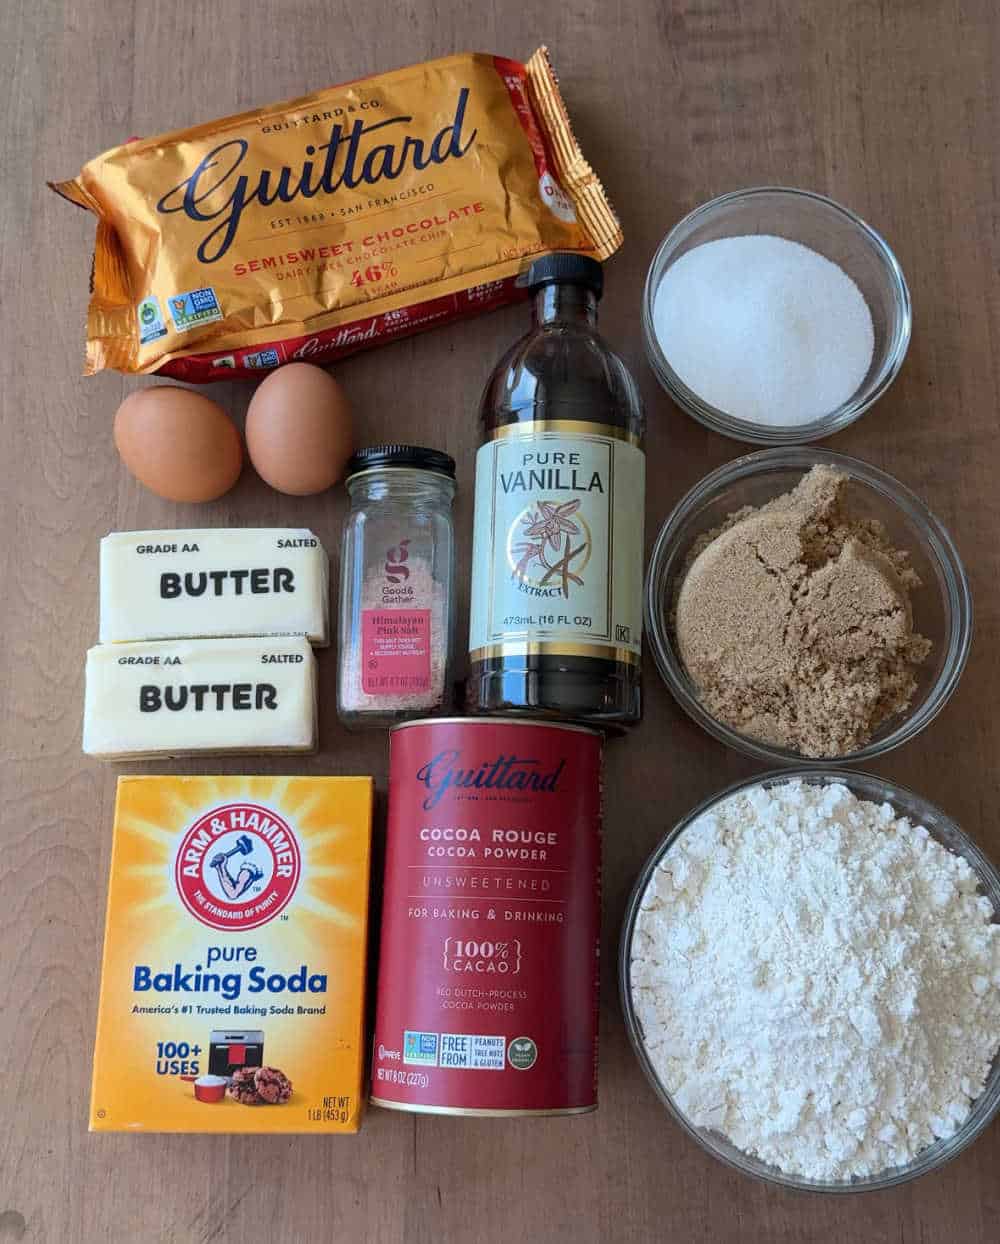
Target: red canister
x,y
488,977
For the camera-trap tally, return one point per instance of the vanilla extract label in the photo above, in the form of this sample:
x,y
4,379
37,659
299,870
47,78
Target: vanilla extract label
x,y
557,542
556,479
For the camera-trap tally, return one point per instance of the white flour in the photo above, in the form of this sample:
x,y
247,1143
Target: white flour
x,y
817,980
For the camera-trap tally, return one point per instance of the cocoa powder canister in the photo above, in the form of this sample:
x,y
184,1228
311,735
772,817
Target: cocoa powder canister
x,y
488,977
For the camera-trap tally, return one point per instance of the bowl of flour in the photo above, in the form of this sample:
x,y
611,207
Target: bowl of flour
x,y
810,975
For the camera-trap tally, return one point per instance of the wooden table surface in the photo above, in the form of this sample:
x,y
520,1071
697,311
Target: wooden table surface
x,y
891,108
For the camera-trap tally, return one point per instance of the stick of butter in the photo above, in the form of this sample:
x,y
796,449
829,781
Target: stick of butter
x,y
182,697
214,582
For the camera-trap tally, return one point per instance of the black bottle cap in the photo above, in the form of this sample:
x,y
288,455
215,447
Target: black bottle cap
x,y
415,457
566,268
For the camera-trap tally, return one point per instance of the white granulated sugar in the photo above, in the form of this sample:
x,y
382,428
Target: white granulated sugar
x,y
764,329
818,980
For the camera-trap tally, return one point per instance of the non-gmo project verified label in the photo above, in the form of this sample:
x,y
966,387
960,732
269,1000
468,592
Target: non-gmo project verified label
x,y
151,325
197,306
420,1048
262,359
472,1052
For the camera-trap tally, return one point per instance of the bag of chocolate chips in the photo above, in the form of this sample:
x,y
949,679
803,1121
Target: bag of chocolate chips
x,y
319,226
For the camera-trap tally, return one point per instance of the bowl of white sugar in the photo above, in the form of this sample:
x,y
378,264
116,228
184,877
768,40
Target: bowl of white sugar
x,y
775,315
810,975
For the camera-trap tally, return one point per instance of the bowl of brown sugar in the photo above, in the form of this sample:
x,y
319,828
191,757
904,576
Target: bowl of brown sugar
x,y
801,603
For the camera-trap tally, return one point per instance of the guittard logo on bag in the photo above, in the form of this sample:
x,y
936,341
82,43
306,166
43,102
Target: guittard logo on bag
x,y
338,162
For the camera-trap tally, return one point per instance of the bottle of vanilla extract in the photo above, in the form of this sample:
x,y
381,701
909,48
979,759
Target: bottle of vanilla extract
x,y
556,610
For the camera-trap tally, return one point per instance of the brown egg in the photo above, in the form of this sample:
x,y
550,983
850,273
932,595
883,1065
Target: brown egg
x,y
181,445
299,429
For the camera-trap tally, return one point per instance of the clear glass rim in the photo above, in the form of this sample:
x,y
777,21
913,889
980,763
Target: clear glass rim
x,y
408,479
957,601
866,786
784,434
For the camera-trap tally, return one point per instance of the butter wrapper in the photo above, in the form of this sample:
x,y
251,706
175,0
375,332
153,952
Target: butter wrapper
x,y
214,582
189,697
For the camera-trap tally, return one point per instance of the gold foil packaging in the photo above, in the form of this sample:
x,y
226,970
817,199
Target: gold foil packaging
x,y
317,227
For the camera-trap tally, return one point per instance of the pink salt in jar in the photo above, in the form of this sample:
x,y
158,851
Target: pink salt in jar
x,y
397,566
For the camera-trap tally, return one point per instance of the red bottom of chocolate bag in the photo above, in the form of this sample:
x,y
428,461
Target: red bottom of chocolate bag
x,y
329,345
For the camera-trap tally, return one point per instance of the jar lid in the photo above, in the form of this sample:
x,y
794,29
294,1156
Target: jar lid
x,y
566,268
416,457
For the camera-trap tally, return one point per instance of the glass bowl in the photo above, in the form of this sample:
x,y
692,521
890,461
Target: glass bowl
x,y
823,226
942,607
943,830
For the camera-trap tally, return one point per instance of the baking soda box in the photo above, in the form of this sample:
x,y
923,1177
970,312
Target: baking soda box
x,y
232,988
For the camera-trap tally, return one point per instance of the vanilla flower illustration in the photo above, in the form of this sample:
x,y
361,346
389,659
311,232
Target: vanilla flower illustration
x,y
547,527
551,522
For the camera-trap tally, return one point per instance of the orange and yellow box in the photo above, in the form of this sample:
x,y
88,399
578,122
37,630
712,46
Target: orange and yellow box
x,y
233,981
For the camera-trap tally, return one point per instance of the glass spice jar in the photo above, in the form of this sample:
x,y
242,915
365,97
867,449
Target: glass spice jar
x,y
397,565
